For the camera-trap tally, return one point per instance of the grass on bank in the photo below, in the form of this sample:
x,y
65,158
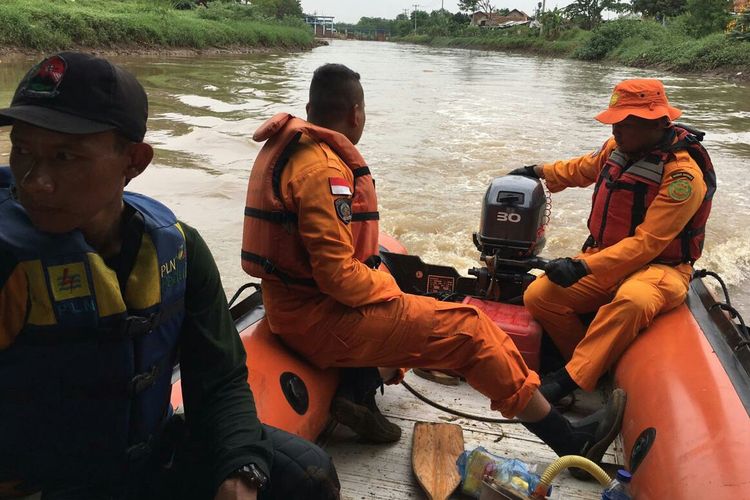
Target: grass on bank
x,y
514,39
639,43
59,24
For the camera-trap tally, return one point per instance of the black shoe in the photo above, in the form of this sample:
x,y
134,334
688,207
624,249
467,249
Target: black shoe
x,y
365,419
589,437
557,385
603,427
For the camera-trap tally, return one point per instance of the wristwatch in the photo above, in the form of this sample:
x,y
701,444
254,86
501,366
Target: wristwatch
x,y
251,475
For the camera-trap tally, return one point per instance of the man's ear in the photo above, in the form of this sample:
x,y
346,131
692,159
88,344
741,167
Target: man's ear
x,y
354,117
140,155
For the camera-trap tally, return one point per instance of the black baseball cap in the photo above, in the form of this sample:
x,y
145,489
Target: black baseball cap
x,y
79,93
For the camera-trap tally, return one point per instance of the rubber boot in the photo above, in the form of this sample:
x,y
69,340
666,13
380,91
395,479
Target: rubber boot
x,y
590,437
557,385
354,406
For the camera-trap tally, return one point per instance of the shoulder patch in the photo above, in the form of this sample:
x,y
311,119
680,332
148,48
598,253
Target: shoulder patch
x,y
339,186
344,209
680,189
682,175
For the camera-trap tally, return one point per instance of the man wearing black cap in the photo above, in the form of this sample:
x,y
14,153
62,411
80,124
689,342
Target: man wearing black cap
x,y
99,292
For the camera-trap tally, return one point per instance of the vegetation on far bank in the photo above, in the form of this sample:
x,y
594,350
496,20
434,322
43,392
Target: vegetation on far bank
x,y
47,25
679,35
627,41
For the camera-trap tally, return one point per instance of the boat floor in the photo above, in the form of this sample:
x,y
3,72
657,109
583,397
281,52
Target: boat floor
x,y
371,471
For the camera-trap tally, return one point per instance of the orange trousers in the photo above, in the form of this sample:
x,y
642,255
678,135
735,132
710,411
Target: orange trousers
x,y
418,332
623,311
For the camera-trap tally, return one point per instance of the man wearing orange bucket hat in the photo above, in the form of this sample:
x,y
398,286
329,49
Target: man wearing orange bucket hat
x,y
653,188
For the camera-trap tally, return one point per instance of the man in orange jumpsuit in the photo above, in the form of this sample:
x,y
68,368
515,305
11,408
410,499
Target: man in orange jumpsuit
x,y
311,231
649,209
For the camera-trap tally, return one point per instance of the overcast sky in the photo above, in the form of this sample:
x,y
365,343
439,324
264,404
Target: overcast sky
x,y
349,11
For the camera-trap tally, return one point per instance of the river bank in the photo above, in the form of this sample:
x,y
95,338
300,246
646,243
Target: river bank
x,y
8,53
634,43
143,27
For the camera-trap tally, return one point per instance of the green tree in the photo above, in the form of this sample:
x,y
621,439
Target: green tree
x,y
278,8
469,6
739,28
422,19
461,18
588,13
708,16
553,23
659,9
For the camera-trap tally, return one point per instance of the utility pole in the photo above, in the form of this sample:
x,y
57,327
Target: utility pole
x,y
415,17
541,4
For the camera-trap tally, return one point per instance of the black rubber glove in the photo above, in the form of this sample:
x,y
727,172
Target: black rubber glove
x,y
528,171
565,272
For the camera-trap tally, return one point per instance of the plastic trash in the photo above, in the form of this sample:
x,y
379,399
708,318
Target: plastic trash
x,y
619,487
479,464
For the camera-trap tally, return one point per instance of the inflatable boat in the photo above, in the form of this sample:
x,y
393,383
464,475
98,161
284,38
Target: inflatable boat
x,y
686,430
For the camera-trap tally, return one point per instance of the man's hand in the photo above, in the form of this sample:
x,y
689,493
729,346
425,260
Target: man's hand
x,y
566,272
235,489
528,171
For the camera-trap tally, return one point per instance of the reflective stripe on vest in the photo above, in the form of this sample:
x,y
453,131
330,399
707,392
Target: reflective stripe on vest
x,y
271,246
85,385
624,192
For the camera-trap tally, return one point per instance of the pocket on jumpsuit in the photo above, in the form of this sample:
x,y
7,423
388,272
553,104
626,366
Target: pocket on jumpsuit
x,y
389,333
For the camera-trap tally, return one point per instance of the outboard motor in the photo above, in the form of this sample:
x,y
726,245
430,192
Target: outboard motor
x,y
511,234
514,216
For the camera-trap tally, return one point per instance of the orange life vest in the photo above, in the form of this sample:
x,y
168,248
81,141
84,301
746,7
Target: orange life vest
x,y
271,246
624,192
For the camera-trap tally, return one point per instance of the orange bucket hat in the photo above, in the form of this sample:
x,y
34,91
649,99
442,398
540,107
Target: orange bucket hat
x,y
642,98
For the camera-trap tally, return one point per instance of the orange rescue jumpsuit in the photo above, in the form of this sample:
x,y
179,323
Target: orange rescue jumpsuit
x,y
357,316
626,288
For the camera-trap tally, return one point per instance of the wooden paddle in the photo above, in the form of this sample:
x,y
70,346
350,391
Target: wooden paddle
x,y
434,450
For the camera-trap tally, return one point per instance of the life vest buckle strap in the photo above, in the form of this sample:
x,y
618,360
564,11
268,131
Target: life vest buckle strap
x,y
269,266
275,217
136,326
589,243
373,261
365,216
143,381
361,171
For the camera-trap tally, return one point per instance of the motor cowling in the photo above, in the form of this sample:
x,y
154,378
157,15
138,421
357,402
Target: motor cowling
x,y
514,215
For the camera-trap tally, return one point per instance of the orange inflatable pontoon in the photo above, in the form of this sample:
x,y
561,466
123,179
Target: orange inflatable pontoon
x,y
687,426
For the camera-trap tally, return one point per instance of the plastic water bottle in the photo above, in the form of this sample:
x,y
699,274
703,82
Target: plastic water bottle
x,y
619,487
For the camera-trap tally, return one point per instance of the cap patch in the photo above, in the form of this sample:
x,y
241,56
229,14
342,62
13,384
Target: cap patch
x,y
613,100
46,80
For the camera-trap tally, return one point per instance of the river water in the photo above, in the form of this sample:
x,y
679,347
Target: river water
x,y
441,123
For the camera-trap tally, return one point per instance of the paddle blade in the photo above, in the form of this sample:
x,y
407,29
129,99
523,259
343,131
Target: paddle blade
x,y
435,449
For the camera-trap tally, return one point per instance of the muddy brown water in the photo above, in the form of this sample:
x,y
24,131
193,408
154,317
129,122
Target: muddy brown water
x,y
441,123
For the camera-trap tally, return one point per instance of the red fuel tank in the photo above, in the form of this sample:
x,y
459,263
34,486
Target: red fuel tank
x,y
516,321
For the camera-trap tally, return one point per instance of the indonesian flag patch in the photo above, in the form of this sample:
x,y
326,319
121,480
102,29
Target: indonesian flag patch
x,y
339,186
